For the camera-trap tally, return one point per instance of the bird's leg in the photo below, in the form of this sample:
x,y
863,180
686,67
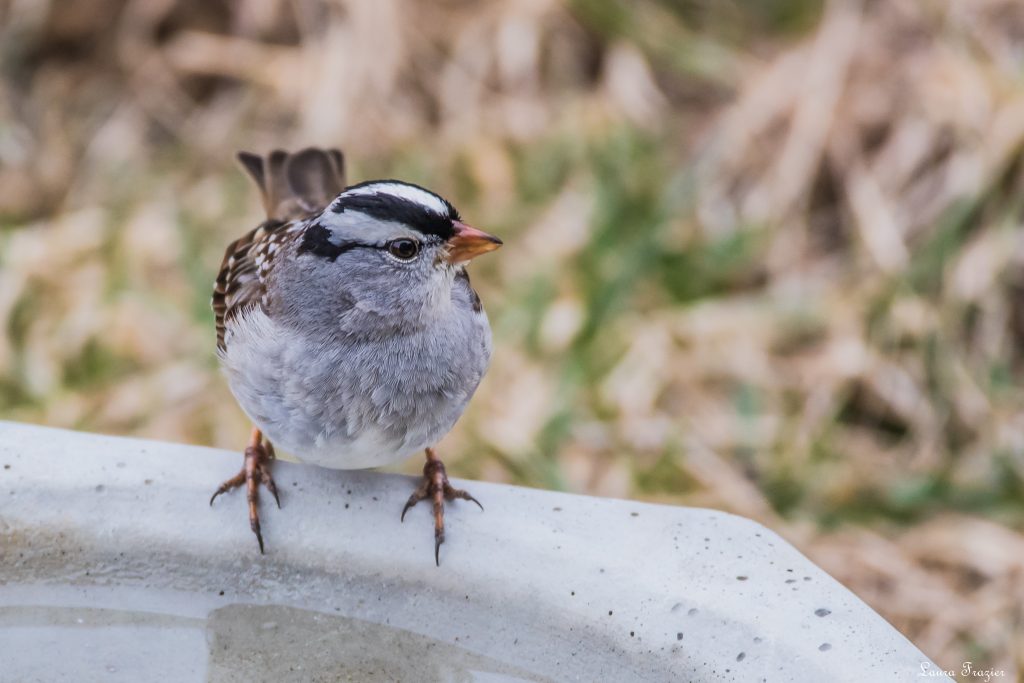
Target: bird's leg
x,y
255,470
435,486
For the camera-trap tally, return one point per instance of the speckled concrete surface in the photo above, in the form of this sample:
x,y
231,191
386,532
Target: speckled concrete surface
x,y
113,567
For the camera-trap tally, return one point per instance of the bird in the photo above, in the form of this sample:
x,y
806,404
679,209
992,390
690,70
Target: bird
x,y
347,327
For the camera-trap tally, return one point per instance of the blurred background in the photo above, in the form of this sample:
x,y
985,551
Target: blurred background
x,y
760,256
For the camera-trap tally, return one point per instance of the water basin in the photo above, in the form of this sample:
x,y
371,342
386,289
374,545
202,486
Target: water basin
x,y
113,567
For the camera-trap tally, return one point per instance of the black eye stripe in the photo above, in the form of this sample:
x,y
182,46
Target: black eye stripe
x,y
316,241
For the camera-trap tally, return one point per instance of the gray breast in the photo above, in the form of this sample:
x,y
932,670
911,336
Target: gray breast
x,y
357,400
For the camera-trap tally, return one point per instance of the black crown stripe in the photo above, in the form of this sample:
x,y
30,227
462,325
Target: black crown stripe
x,y
388,207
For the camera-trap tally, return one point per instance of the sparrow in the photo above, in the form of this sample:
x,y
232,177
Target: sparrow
x,y
347,327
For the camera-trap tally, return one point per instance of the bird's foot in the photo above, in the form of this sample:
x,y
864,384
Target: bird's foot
x,y
435,486
255,471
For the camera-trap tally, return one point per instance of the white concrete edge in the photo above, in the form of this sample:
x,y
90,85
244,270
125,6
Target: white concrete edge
x,y
566,586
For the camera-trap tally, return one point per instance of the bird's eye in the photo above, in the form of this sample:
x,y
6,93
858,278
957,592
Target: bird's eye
x,y
404,249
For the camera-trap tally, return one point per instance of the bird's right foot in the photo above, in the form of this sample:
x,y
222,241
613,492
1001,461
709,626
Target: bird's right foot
x,y
255,470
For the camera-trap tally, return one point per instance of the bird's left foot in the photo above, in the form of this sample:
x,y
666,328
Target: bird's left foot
x,y
435,486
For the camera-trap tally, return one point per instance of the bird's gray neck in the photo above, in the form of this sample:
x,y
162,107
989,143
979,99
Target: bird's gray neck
x,y
333,307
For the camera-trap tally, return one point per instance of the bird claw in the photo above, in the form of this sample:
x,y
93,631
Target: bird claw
x,y
451,493
254,524
435,485
255,471
231,483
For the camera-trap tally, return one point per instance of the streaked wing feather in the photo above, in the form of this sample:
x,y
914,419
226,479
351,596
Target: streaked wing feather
x,y
293,187
241,282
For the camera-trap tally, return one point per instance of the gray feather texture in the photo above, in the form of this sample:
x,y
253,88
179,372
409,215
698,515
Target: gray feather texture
x,y
361,359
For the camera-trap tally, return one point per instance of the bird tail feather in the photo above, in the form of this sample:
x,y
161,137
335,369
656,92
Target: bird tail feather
x,y
296,184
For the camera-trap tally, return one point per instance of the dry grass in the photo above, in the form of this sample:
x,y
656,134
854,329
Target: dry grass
x,y
757,259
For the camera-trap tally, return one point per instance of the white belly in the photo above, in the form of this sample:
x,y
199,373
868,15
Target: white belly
x,y
325,405
370,448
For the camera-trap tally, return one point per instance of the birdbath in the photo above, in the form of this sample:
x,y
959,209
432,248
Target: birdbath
x,y
113,567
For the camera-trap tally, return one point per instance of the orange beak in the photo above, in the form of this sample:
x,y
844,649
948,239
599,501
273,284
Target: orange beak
x,y
468,243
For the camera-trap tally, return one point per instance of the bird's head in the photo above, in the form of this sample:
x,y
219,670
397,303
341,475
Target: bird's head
x,y
403,222
391,244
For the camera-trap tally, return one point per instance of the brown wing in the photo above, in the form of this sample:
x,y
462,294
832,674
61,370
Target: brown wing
x,y
293,187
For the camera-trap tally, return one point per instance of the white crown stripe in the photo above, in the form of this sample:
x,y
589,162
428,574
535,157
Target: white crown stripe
x,y
427,200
